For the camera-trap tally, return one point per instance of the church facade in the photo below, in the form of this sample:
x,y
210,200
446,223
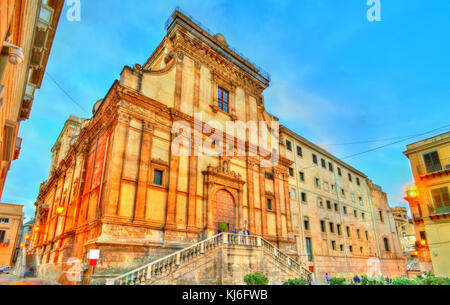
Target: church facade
x,y
157,168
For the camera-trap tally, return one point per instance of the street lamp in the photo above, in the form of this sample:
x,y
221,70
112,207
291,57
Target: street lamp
x,y
59,210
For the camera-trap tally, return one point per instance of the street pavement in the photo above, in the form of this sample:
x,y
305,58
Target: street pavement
x,y
9,279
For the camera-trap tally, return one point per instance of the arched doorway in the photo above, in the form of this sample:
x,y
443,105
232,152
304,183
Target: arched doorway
x,y
224,211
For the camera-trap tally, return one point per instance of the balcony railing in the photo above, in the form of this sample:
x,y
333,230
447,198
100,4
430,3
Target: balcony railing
x,y
4,243
443,166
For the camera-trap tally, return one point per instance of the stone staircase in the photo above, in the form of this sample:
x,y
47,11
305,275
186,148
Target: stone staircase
x,y
220,259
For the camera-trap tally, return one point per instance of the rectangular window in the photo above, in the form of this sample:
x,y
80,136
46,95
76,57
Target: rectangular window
x,y
380,213
361,249
292,194
268,175
441,199
363,216
338,227
306,224
339,171
367,235
348,231
314,158
291,172
4,220
349,177
2,236
302,176
299,151
361,202
331,227
386,244
358,232
345,210
269,204
341,247
330,166
157,177
223,99
357,181
288,145
343,193
432,162
317,182
333,245
324,164
319,201
8,137
350,248
309,249
336,207
304,197
329,204
322,226
355,213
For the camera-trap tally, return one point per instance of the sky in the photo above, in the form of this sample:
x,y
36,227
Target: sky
x,y
336,77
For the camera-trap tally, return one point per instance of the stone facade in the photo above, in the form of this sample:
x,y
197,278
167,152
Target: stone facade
x,y
23,24
121,188
336,214
429,201
405,230
11,216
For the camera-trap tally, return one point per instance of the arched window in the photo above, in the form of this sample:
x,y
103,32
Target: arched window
x,y
386,244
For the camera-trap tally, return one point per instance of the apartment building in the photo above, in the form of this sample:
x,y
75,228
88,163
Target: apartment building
x,y
429,201
342,221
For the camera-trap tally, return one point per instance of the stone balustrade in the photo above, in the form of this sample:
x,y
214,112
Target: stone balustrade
x,y
166,264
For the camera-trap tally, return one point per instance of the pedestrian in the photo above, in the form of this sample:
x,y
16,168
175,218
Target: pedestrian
x,y
388,280
309,279
327,278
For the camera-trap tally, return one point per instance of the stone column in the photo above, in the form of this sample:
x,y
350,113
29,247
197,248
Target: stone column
x,y
276,189
288,203
173,187
144,164
250,196
262,194
178,80
117,162
192,189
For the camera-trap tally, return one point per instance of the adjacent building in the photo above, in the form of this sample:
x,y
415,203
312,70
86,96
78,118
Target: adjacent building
x,y
429,201
27,29
342,221
11,216
117,184
405,230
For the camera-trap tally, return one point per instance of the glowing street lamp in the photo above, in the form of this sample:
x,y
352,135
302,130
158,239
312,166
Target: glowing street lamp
x,y
423,242
411,191
22,245
415,253
27,237
59,209
36,229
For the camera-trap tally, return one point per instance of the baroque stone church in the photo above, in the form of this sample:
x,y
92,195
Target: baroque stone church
x,y
116,185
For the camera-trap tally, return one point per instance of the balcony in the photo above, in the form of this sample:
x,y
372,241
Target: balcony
x,y
18,148
4,243
436,169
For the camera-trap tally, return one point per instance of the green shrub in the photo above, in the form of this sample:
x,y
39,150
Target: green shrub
x,y
298,281
430,279
372,280
404,281
337,281
256,279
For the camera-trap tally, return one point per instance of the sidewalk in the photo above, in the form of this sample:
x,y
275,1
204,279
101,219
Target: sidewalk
x,y
9,279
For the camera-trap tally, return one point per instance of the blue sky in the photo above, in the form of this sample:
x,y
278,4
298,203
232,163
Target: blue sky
x,y
336,77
